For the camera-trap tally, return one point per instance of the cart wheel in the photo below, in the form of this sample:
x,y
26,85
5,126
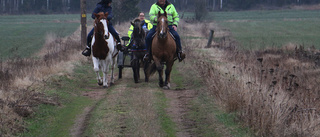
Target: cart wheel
x,y
120,63
120,72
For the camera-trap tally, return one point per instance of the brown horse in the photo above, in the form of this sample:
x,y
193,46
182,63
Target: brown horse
x,y
163,51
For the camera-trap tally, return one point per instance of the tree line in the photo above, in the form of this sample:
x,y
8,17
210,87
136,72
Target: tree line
x,y
73,6
128,9
42,6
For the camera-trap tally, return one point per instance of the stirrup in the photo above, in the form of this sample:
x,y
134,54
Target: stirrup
x,y
86,52
146,57
181,56
118,43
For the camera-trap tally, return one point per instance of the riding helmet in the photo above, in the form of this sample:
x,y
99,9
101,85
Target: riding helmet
x,y
106,1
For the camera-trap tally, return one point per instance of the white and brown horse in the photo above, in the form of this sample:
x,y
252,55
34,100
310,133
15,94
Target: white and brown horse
x,y
103,49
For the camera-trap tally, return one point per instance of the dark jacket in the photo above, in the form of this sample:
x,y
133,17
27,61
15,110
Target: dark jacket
x,y
103,8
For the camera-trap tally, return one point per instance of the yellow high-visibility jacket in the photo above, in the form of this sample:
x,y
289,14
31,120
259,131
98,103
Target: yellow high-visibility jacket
x,y
172,14
149,26
147,22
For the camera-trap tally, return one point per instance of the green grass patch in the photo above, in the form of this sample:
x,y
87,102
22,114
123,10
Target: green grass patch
x,y
213,122
272,28
209,120
167,125
273,33
24,35
52,121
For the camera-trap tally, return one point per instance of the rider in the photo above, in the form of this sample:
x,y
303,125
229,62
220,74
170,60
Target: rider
x,y
173,19
102,6
146,25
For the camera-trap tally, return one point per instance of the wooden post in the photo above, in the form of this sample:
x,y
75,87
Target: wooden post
x,y
83,23
210,38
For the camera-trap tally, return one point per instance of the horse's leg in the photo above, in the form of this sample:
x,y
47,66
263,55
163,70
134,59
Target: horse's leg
x,y
138,68
134,68
168,73
112,68
105,69
114,60
160,70
96,63
145,69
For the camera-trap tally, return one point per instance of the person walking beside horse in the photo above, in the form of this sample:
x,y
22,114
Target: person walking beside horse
x,y
103,6
173,20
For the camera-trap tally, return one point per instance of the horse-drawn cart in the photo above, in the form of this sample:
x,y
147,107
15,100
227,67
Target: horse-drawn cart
x,y
132,56
123,59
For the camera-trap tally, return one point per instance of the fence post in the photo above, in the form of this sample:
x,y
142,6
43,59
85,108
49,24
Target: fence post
x,y
210,38
83,23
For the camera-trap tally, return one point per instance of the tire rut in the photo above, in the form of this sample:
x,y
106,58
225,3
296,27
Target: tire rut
x,y
179,106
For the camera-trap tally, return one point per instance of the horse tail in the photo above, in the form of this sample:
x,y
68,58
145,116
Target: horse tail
x,y
151,69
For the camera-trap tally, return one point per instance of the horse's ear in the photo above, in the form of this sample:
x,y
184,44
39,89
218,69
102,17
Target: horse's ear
x,y
132,23
106,14
165,13
96,15
159,14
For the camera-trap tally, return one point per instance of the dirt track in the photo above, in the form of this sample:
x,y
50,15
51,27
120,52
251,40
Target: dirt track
x,y
131,109
178,105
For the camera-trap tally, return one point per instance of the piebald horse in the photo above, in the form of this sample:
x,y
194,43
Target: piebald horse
x,y
163,51
103,49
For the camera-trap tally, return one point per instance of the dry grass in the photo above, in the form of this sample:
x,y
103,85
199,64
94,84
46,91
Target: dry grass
x,y
274,91
21,80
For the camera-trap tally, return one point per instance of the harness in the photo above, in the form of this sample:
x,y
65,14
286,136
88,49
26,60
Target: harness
x,y
169,33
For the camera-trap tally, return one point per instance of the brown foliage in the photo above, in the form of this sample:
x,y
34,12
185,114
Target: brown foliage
x,y
273,91
21,82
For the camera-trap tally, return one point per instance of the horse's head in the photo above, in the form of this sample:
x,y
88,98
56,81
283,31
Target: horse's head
x,y
137,26
101,23
162,25
138,34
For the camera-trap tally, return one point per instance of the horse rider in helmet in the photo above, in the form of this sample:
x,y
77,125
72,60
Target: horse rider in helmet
x,y
173,20
103,6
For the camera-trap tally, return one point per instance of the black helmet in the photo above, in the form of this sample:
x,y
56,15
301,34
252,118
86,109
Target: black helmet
x,y
106,1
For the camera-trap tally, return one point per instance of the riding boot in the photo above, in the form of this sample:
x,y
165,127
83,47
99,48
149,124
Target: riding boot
x,y
119,47
146,57
87,51
181,55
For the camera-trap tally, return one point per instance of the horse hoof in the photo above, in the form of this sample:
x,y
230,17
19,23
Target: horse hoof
x,y
166,87
105,86
136,82
100,84
111,84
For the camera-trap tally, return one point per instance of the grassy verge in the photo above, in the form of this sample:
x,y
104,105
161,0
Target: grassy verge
x,y
209,118
52,120
214,122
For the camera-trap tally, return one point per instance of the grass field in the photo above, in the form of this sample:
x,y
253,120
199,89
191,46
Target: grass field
x,y
23,35
261,29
